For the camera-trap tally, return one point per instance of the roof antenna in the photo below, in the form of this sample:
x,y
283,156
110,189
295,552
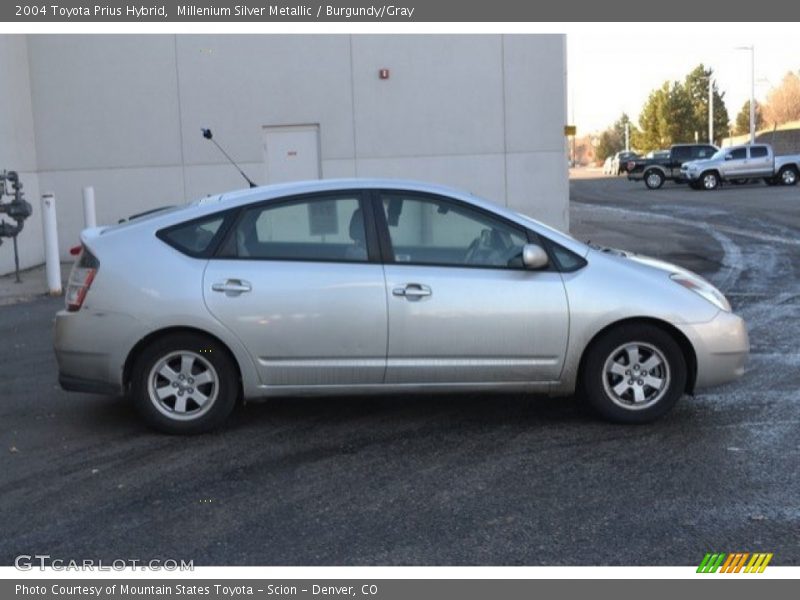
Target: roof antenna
x,y
209,136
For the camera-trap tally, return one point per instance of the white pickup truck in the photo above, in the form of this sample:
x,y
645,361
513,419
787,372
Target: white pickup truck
x,y
740,163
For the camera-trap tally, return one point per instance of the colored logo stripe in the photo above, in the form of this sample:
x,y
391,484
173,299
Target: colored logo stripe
x,y
735,562
711,563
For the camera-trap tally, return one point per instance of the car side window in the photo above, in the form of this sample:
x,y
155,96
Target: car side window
x,y
435,231
739,153
328,228
194,237
703,152
681,153
758,152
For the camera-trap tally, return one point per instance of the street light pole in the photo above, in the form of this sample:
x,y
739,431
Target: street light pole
x,y
710,110
752,50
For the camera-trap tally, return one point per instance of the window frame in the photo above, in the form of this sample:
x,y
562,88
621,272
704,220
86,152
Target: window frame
x,y
385,240
228,217
373,253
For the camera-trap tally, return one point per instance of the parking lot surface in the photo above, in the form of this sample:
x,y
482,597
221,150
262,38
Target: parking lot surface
x,y
477,479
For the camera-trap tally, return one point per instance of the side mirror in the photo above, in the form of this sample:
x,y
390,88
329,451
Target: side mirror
x,y
534,256
729,157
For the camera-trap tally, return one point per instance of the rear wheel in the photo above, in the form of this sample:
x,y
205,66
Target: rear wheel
x,y
653,179
634,374
184,383
787,176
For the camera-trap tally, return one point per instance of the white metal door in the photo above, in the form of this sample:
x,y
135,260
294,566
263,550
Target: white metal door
x,y
291,153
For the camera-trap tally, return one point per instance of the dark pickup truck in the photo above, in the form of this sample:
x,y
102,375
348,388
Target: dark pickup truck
x,y
655,171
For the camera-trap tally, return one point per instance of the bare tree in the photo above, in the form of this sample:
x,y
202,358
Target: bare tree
x,y
783,101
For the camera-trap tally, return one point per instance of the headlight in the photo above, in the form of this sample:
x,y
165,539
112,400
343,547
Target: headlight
x,y
704,289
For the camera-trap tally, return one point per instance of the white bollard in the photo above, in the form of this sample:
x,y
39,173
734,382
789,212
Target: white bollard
x,y
89,215
52,262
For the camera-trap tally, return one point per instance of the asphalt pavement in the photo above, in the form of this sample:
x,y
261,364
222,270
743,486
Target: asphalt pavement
x,y
454,480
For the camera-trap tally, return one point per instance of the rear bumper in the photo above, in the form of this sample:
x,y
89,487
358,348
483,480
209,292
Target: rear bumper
x,y
721,347
90,349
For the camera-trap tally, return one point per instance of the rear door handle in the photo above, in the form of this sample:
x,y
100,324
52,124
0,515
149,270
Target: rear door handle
x,y
232,287
412,291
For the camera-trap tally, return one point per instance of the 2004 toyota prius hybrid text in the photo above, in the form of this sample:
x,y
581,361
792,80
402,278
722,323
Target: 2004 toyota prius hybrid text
x,y
373,286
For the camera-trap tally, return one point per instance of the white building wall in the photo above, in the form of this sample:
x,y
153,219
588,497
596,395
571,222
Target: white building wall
x,y
18,150
123,113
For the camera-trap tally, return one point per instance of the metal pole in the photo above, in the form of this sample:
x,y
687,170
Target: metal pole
x,y
752,94
52,261
710,110
16,261
627,136
89,214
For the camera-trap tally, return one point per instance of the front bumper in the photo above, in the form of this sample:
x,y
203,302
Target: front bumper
x,y
721,347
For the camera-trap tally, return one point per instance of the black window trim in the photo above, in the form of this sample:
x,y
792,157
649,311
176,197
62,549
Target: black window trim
x,y
228,217
373,253
531,236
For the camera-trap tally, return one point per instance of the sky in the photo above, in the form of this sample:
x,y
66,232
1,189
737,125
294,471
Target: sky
x,y
612,68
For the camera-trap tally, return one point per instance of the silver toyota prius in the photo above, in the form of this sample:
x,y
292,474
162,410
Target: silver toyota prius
x,y
374,286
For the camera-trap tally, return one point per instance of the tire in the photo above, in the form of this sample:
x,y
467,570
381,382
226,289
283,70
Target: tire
x,y
709,180
604,377
787,176
653,179
178,363
696,185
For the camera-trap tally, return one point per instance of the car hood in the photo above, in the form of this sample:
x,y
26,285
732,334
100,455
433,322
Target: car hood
x,y
699,164
653,263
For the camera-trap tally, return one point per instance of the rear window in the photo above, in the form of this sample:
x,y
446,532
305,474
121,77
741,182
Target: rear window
x,y
758,152
195,237
681,153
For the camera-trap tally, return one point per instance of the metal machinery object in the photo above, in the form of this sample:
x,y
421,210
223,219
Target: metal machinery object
x,y
18,210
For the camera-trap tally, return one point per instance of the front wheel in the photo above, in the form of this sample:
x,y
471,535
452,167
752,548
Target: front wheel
x,y
710,180
634,374
184,383
653,179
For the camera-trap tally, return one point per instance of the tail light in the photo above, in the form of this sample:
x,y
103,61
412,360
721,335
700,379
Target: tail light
x,y
80,279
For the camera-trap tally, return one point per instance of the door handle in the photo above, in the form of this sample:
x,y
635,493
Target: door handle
x,y
412,291
232,287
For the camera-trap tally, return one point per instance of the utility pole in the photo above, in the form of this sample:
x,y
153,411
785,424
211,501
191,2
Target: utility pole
x,y
752,50
710,110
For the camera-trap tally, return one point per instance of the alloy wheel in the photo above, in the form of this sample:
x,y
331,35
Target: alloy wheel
x,y
183,385
636,375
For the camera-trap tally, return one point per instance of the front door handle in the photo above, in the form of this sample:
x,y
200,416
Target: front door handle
x,y
232,287
412,291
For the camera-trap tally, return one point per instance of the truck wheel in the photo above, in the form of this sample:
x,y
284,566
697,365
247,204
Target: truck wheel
x,y
788,176
710,180
653,179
